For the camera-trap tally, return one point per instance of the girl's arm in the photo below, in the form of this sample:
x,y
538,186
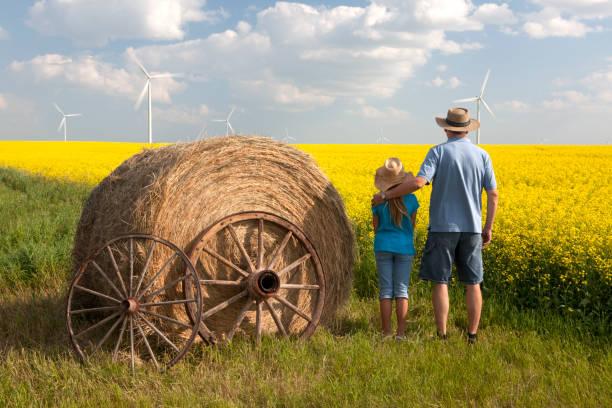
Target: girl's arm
x,y
375,222
413,219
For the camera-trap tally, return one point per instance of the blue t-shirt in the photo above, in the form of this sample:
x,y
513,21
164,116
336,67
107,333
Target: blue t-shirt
x,y
459,170
391,238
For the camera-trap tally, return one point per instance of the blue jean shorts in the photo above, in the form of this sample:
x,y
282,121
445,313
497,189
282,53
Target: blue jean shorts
x,y
393,274
442,249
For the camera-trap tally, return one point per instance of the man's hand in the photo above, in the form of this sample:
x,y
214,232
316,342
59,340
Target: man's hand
x,y
487,234
377,199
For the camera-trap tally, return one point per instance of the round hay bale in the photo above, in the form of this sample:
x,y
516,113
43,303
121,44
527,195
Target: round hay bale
x,y
176,192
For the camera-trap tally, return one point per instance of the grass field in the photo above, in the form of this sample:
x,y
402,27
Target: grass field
x,y
526,355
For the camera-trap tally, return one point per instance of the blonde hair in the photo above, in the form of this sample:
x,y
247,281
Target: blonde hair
x,y
398,209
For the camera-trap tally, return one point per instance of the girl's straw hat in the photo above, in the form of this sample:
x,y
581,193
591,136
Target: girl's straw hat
x,y
389,175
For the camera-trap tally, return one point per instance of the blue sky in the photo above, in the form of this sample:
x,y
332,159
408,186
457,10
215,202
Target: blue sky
x,y
316,71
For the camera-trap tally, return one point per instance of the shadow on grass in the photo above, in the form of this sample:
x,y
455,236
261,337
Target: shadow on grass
x,y
35,321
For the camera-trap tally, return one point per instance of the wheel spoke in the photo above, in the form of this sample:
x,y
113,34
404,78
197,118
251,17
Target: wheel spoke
x,y
168,286
110,282
160,334
277,319
241,247
147,344
116,349
298,286
132,342
222,282
100,323
223,305
292,307
112,257
144,268
168,262
131,265
225,261
169,302
258,322
166,318
93,292
94,309
293,265
260,247
240,318
279,250
108,333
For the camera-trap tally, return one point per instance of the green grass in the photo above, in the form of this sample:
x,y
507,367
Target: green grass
x,y
523,357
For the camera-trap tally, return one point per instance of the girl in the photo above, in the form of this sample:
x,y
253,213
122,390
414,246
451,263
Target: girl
x,y
394,222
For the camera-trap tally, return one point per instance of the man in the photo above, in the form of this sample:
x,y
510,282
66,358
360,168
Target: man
x,y
459,171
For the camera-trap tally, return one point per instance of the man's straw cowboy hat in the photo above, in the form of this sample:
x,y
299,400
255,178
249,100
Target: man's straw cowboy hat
x,y
458,120
391,174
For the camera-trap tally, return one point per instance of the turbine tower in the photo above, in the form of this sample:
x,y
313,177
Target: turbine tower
x,y
147,90
64,122
479,99
381,138
228,125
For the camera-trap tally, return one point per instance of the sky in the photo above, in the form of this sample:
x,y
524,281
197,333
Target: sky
x,y
327,71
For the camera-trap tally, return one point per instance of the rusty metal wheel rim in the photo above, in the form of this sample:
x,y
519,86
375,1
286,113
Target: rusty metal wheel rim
x,y
130,306
260,282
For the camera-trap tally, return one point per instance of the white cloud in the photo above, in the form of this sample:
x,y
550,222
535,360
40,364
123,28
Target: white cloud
x,y
549,23
512,106
182,114
452,82
4,35
371,112
584,9
3,103
491,13
92,73
442,68
98,21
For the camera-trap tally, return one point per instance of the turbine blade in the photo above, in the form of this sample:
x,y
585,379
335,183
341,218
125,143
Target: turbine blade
x,y
466,100
165,76
485,82
231,128
142,95
231,113
487,106
58,108
74,114
62,123
218,120
144,71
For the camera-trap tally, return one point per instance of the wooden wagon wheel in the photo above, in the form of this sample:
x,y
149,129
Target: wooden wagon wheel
x,y
257,278
127,287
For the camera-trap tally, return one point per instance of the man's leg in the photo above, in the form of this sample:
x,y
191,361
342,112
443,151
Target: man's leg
x,y
473,303
440,306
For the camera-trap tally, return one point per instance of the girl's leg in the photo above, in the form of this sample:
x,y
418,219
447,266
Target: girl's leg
x,y
385,314
402,266
401,310
384,266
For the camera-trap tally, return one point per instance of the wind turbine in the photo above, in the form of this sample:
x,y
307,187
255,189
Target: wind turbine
x,y
204,132
64,122
228,125
479,99
287,138
147,90
380,139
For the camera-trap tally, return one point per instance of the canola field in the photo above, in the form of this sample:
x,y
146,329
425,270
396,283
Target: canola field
x,y
552,240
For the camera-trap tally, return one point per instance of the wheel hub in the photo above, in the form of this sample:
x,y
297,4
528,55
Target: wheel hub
x,y
264,283
130,306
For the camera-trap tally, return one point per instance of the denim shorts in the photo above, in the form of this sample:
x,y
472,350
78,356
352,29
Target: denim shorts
x,y
393,274
444,248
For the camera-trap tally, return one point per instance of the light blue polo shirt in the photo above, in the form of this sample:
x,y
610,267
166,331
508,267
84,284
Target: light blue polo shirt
x,y
391,238
459,171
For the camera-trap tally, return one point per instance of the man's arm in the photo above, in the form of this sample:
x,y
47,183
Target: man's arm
x,y
375,222
487,231
409,186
